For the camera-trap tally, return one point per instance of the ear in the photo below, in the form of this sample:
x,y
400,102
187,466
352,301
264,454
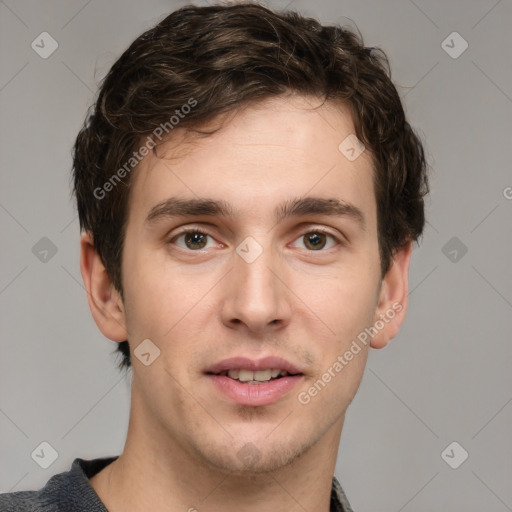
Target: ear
x,y
392,305
104,300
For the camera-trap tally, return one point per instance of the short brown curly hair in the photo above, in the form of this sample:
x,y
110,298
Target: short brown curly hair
x,y
225,57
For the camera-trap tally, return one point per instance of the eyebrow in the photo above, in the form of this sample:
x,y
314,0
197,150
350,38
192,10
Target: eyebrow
x,y
301,206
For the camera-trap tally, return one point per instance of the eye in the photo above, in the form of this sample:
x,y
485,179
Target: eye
x,y
317,239
194,239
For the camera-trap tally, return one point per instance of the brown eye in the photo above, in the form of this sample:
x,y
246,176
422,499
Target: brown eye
x,y
192,240
195,240
317,240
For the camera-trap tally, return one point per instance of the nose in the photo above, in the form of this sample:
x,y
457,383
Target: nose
x,y
256,297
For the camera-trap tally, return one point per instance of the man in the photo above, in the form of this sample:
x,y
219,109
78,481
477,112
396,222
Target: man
x,y
249,191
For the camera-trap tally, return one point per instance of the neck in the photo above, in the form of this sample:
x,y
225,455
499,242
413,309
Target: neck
x,y
155,472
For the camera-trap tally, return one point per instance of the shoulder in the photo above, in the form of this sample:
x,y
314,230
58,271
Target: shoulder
x,y
19,501
65,491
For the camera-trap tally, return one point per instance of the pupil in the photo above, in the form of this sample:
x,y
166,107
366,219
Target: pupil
x,y
315,240
195,239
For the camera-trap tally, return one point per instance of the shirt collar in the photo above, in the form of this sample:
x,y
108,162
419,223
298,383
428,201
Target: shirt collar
x,y
339,501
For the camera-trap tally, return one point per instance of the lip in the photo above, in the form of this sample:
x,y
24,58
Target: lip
x,y
255,394
244,363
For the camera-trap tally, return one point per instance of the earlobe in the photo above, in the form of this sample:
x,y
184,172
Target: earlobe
x,y
392,306
104,300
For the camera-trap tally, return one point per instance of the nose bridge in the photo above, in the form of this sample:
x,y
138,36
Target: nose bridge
x,y
257,295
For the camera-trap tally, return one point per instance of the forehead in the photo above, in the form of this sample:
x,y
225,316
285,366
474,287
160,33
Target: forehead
x,y
278,149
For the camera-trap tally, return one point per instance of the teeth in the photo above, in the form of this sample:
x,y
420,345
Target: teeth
x,y
259,376
233,374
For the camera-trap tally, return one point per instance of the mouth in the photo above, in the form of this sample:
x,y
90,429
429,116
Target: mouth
x,y
252,382
255,377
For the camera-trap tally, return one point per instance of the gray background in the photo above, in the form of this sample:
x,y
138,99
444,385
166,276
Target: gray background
x,y
445,378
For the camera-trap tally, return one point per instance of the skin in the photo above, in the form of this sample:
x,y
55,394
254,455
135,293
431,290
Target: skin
x,y
301,303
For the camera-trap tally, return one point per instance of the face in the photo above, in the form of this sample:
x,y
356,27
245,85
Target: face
x,y
258,280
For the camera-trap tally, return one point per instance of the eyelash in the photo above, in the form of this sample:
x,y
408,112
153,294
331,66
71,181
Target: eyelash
x,y
203,232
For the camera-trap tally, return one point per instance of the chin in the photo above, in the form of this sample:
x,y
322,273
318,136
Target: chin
x,y
254,458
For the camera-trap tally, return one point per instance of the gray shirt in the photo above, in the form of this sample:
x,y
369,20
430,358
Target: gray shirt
x,y
71,492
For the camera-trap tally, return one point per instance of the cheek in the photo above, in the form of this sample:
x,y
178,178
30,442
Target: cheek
x,y
148,297
162,303
344,307
344,301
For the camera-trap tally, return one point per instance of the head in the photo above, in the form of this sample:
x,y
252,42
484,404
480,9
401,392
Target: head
x,y
251,107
